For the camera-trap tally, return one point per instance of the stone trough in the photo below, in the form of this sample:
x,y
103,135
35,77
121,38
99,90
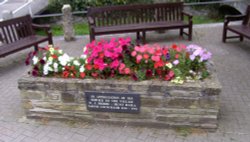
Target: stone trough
x,y
161,104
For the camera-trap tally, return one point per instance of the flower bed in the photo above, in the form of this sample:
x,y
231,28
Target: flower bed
x,y
122,60
176,85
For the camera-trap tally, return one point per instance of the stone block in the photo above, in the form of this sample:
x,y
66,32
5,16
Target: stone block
x,y
180,102
145,113
32,95
69,96
173,118
151,101
53,96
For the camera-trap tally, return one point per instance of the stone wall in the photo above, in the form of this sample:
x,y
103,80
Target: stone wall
x,y
163,104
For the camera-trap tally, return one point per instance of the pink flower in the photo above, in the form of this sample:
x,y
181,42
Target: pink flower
x,y
114,64
137,48
127,71
138,58
145,56
155,58
151,50
107,53
133,54
123,41
142,49
122,66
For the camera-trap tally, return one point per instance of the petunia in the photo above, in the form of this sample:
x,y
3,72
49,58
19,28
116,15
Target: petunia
x,y
176,62
35,60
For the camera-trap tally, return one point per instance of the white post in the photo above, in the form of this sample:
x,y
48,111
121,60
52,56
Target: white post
x,y
69,33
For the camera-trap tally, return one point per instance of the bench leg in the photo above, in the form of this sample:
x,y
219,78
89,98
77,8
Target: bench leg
x,y
143,37
181,32
36,47
224,36
190,30
92,37
241,38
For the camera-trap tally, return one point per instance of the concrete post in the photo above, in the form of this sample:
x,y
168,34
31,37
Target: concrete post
x,y
6,14
69,33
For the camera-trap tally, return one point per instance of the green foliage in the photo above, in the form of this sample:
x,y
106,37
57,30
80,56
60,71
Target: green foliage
x,y
79,5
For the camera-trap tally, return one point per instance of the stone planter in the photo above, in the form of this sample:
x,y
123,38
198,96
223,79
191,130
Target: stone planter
x,y
162,104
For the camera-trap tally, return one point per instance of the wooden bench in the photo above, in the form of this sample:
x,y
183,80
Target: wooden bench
x,y
18,33
138,19
242,30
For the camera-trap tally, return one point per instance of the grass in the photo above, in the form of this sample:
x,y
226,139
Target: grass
x,y
57,30
83,29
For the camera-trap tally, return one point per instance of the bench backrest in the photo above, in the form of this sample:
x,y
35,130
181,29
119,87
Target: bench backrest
x,y
247,19
15,29
133,14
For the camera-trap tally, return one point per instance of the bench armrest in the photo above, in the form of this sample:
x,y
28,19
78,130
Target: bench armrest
x,y
190,17
234,17
187,14
46,28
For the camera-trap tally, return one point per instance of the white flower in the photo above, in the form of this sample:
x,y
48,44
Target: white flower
x,y
86,61
75,62
46,69
169,65
51,50
84,49
84,56
64,59
82,69
35,60
55,65
50,59
60,51
44,58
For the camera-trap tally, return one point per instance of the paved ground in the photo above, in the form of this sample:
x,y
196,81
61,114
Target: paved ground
x,y
232,61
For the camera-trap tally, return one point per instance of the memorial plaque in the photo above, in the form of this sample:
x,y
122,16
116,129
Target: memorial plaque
x,y
113,102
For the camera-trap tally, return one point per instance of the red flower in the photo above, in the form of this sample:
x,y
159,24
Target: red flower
x,y
159,72
94,74
35,73
134,77
149,73
88,67
176,56
164,51
145,56
169,76
54,56
101,55
96,67
65,74
159,64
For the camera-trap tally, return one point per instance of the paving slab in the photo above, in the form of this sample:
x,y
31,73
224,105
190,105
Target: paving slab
x,y
231,61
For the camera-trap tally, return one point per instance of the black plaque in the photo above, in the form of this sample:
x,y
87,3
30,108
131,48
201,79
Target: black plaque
x,y
113,102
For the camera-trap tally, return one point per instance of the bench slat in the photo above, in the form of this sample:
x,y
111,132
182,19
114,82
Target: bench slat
x,y
240,29
136,27
21,44
138,18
